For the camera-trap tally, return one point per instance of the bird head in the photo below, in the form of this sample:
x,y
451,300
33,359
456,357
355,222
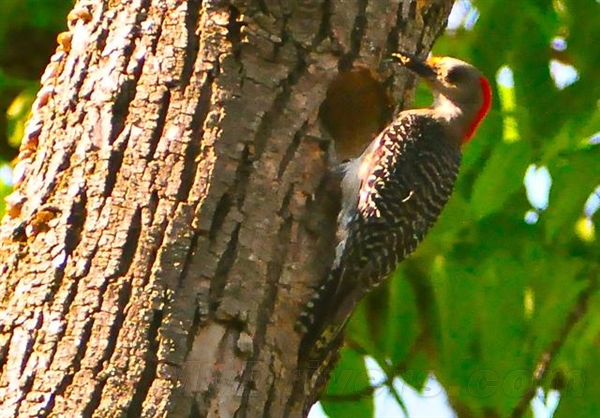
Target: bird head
x,y
462,95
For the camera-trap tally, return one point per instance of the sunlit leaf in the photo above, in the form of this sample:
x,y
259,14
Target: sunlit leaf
x,y
17,116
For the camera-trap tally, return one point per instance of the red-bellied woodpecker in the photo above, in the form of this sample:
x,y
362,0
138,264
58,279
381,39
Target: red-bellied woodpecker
x,y
393,193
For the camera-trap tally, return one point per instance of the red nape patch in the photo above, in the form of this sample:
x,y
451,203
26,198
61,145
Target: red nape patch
x,y
486,89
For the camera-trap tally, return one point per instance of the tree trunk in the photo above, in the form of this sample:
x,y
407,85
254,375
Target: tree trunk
x,y
173,210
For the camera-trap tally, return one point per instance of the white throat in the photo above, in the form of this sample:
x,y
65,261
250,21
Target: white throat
x,y
446,109
451,115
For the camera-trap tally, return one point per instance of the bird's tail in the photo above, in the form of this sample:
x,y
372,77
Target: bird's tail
x,y
323,321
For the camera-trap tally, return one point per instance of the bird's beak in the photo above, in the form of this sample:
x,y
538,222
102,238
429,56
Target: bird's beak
x,y
416,65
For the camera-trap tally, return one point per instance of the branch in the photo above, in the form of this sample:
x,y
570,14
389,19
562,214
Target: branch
x,y
390,373
577,312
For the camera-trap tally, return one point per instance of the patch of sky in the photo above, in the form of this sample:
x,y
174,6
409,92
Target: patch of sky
x,y
463,15
563,74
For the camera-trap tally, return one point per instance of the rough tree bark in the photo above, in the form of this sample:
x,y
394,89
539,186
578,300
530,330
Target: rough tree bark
x,y
172,212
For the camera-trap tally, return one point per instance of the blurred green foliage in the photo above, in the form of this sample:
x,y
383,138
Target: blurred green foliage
x,y
487,296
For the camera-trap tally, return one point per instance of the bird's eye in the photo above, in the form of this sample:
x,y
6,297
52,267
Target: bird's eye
x,y
455,75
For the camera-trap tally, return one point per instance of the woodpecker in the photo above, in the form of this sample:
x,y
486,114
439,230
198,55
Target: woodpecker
x,y
393,193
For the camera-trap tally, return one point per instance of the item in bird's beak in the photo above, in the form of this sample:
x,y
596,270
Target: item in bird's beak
x,y
416,65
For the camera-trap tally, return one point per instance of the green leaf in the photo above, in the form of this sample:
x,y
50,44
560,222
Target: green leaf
x,y
348,392
402,320
501,178
574,177
362,328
